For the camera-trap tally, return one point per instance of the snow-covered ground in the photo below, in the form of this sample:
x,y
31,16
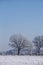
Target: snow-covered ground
x,y
21,60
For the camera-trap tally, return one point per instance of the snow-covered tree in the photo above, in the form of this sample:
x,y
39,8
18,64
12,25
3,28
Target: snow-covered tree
x,y
19,42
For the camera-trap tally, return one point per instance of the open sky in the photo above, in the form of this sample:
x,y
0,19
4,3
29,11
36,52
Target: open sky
x,y
20,16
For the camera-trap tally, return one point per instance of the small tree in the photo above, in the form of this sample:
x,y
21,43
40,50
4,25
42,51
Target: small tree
x,y
38,42
19,42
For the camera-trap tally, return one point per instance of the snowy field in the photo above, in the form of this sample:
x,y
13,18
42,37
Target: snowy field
x,y
21,60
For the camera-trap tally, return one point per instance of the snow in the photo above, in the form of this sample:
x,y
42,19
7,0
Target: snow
x,y
21,60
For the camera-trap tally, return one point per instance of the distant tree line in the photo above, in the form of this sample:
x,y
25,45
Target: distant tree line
x,y
22,46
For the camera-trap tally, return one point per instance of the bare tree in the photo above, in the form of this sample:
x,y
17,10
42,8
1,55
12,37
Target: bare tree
x,y
19,42
38,42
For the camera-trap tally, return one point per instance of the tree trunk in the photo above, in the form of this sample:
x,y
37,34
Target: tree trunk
x,y
18,51
38,51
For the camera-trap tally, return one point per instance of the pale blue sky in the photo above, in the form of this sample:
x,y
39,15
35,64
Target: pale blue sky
x,y
20,16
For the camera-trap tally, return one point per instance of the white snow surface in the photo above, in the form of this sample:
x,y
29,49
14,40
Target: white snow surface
x,y
21,60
